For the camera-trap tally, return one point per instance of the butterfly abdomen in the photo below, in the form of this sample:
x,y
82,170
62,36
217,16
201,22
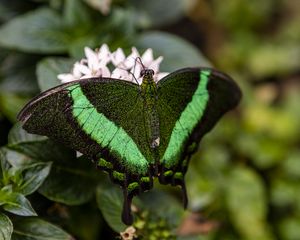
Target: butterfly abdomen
x,y
151,121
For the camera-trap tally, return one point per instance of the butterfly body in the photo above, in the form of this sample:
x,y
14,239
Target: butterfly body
x,y
135,132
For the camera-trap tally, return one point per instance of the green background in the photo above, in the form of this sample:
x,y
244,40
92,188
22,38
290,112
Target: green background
x,y
244,181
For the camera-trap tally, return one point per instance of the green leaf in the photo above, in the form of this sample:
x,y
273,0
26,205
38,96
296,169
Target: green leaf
x,y
9,9
39,31
33,177
11,104
17,135
291,166
284,192
16,203
76,14
4,167
158,203
16,159
36,147
147,12
49,68
246,202
290,228
110,202
79,221
18,72
37,229
177,52
6,227
72,181
25,175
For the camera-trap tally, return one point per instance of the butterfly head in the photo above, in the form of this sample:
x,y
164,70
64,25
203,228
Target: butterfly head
x,y
146,72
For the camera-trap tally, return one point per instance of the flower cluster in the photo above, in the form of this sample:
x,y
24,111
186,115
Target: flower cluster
x,y
97,64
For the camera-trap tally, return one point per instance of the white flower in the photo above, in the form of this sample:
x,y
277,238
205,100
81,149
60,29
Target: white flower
x,y
126,68
128,234
102,5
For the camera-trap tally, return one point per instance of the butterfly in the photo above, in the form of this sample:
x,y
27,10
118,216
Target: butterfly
x,y
135,132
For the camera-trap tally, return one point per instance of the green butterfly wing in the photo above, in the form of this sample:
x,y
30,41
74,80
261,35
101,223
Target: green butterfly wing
x,y
190,102
102,118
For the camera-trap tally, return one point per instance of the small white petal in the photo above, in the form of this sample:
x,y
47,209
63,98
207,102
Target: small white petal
x,y
160,75
105,72
76,70
104,54
120,74
136,70
87,76
84,69
84,61
118,57
131,60
92,58
66,77
147,57
155,64
104,6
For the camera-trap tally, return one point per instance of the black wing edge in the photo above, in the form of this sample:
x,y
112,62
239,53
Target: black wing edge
x,y
225,95
24,114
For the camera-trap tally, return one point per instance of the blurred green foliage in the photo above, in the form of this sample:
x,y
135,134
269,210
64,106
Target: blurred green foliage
x,y
244,181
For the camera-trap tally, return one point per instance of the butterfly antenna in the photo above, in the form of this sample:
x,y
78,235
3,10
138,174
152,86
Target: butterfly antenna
x,y
138,59
129,73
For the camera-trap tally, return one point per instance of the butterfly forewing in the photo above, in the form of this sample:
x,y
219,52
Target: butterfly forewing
x,y
190,102
93,116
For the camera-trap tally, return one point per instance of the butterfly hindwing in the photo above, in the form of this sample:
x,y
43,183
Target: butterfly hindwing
x,y
190,102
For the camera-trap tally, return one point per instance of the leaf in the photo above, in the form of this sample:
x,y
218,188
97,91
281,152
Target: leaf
x,y
246,202
16,203
291,166
76,14
25,174
18,72
4,167
11,104
39,31
71,181
9,9
279,60
290,228
37,229
147,11
33,177
6,227
17,135
158,202
177,52
110,202
79,221
49,68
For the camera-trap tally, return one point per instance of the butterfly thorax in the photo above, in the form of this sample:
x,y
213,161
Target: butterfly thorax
x,y
149,95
